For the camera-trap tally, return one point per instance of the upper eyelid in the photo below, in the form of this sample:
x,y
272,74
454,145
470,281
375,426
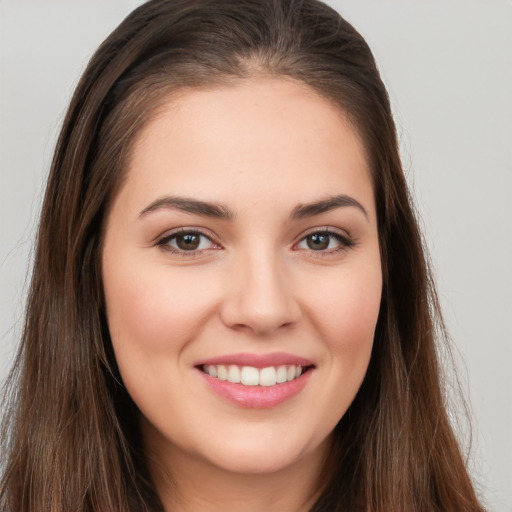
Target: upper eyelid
x,y
184,230
345,240
325,229
164,243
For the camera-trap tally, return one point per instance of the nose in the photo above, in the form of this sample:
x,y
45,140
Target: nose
x,y
259,297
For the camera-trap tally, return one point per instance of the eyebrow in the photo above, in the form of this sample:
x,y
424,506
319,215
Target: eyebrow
x,y
189,205
221,211
331,203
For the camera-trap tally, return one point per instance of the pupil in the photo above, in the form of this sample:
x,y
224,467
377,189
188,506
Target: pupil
x,y
318,242
188,242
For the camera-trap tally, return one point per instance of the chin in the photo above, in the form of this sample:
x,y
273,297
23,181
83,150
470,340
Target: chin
x,y
248,464
263,457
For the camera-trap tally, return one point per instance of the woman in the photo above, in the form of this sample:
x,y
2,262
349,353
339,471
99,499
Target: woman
x,y
230,306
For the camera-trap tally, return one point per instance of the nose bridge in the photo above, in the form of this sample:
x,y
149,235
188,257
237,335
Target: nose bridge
x,y
260,296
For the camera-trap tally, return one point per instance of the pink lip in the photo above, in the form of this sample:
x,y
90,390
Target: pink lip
x,y
256,397
257,360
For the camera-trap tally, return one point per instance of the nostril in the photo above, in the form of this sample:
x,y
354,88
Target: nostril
x,y
260,319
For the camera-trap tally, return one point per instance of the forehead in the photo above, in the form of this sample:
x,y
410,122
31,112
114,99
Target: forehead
x,y
260,136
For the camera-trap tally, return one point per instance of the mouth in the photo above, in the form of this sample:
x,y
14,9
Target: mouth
x,y
251,376
256,381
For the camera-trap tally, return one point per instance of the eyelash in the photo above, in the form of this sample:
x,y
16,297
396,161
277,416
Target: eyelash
x,y
345,242
163,243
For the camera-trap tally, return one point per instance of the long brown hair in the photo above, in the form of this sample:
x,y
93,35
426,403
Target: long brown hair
x,y
71,433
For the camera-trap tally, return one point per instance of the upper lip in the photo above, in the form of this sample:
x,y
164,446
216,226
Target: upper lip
x,y
257,360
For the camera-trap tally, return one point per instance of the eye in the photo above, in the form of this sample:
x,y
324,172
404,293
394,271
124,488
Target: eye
x,y
325,241
187,241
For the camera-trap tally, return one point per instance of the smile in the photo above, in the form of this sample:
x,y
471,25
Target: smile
x,y
251,376
260,381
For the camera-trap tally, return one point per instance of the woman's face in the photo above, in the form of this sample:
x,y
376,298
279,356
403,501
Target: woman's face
x,y
243,245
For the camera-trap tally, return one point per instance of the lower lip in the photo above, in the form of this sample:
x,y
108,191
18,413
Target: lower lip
x,y
257,397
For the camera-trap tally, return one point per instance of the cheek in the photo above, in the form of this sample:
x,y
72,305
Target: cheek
x,y
347,306
151,311
345,312
343,309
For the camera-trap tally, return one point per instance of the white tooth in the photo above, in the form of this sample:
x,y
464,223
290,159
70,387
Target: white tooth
x,y
212,370
233,374
298,371
250,376
222,373
268,376
281,375
290,373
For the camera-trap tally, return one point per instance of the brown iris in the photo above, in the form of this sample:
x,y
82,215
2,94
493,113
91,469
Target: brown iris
x,y
188,242
318,241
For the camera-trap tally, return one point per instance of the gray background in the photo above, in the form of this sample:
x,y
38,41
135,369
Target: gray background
x,y
448,68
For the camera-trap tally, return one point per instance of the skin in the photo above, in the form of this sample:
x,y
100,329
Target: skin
x,y
261,148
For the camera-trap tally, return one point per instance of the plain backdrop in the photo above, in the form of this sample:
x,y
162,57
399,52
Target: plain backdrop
x,y
448,69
